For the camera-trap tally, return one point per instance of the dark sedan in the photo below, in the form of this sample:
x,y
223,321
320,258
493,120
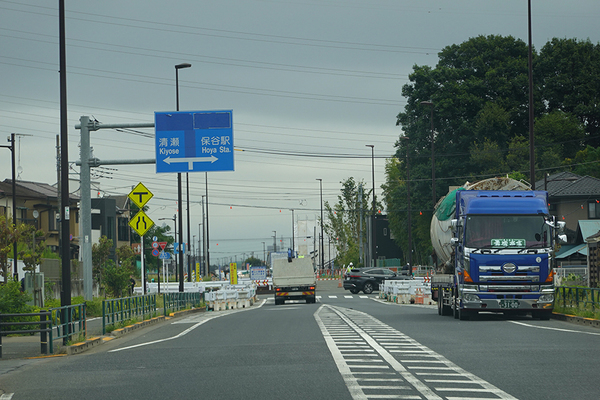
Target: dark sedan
x,y
368,279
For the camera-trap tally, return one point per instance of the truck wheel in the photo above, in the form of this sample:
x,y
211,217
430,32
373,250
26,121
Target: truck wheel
x,y
278,301
368,288
440,306
311,299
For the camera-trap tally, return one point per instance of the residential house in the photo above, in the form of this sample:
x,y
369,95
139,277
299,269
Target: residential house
x,y
575,200
45,199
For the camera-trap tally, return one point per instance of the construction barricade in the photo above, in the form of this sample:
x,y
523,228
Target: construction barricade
x,y
407,291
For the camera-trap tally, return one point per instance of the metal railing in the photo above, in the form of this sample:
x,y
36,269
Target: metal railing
x,y
125,308
577,297
44,323
56,323
68,321
181,301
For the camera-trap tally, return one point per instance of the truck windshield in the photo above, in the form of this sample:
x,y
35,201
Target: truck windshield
x,y
506,231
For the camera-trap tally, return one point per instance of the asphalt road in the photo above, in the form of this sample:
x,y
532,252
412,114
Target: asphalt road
x,y
343,347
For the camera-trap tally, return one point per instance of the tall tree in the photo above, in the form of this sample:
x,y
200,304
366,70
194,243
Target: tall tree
x,y
570,81
479,92
344,220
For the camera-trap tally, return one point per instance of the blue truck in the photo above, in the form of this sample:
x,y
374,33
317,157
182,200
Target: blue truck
x,y
496,248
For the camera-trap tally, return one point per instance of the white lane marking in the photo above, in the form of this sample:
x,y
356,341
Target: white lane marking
x,y
333,297
6,396
185,332
554,329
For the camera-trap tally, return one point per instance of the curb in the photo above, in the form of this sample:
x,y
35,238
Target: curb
x,y
594,323
90,343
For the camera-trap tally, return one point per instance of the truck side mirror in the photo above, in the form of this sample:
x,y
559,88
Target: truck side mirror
x,y
454,242
454,225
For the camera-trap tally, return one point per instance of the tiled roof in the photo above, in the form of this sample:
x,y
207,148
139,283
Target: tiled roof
x,y
567,184
33,190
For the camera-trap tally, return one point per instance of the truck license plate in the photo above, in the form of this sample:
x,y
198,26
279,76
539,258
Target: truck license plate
x,y
509,303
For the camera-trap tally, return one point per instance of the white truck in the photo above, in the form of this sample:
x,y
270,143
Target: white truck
x,y
294,280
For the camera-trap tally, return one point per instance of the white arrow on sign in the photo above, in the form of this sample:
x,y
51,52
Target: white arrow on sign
x,y
190,160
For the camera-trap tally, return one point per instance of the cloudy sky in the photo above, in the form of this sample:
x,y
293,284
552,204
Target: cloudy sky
x,y
310,83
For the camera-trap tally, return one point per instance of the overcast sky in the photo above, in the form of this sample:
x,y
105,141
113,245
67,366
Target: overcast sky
x,y
304,78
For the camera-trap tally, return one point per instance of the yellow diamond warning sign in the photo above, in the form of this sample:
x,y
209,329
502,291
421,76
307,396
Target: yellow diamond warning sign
x,y
140,195
141,223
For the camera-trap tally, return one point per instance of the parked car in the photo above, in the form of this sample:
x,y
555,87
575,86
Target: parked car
x,y
368,279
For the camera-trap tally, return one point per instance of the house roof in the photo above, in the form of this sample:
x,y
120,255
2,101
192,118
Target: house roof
x,y
568,184
567,250
32,190
587,228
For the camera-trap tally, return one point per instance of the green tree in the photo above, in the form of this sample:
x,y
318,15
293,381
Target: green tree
x,y
32,246
344,220
253,261
570,81
8,234
479,91
100,256
115,278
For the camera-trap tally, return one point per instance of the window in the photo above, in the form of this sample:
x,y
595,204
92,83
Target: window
x,y
123,229
593,210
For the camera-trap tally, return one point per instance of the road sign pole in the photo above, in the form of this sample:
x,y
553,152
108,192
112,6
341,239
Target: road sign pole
x,y
143,268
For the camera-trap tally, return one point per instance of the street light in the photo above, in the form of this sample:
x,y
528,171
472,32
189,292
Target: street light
x,y
373,231
408,206
430,104
321,247
179,205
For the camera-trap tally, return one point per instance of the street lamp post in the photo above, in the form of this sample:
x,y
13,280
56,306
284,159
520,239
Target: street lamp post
x,y
293,244
430,104
531,119
408,206
321,247
179,202
11,139
373,224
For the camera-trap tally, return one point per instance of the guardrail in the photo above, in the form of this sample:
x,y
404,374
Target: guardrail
x,y
122,309
181,301
577,297
44,323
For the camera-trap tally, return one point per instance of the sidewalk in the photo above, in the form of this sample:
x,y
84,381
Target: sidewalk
x,y
15,347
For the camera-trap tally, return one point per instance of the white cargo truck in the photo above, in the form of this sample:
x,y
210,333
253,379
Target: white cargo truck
x,y
294,280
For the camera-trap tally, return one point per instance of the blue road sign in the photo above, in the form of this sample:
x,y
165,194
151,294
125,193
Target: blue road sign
x,y
194,141
163,255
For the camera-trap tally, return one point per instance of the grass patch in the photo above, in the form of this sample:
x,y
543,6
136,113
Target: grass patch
x,y
579,312
121,324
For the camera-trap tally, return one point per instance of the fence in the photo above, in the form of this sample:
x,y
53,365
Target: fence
x,y
68,321
44,324
122,309
577,297
56,323
181,301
